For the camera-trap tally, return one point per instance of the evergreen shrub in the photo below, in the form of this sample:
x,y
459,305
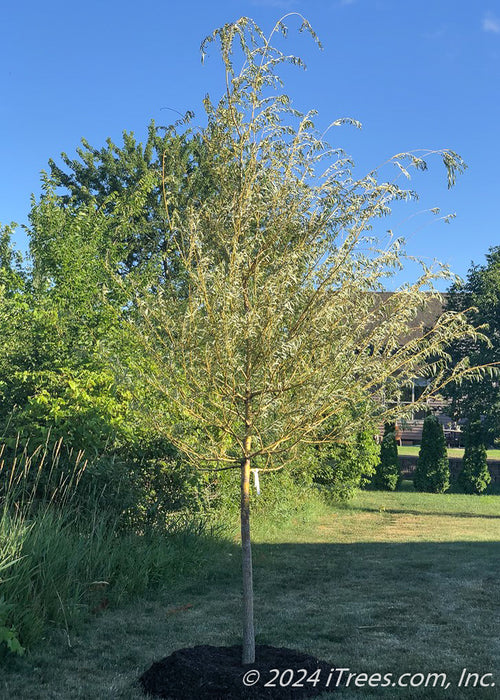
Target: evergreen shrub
x,y
474,476
433,468
387,474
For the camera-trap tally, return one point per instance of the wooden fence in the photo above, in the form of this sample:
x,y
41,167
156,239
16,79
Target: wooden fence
x,y
409,462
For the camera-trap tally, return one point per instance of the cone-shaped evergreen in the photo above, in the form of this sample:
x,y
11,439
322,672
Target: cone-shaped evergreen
x,y
475,475
433,468
387,475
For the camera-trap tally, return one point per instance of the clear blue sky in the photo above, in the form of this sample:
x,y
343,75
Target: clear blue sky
x,y
416,74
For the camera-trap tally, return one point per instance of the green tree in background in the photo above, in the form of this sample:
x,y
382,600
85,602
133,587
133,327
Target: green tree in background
x,y
56,383
281,340
12,273
12,312
53,363
474,476
479,297
433,468
105,176
387,474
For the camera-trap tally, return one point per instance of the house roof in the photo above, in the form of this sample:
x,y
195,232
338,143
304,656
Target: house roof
x,y
426,316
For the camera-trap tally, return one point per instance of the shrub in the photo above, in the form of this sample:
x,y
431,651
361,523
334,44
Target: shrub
x,y
474,476
139,486
433,468
82,408
282,491
387,474
346,466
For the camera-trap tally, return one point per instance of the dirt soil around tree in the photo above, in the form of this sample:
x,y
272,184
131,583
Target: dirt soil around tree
x,y
217,672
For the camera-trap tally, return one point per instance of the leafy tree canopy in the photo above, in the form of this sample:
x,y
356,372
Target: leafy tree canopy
x,y
278,338
11,261
479,297
104,175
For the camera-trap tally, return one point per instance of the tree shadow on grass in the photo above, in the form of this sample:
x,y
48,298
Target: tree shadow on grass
x,y
384,607
372,607
406,511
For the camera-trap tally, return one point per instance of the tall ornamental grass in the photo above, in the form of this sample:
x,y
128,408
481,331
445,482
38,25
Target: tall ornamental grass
x,y
63,558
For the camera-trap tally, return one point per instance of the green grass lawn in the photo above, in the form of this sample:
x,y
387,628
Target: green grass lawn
x,y
413,450
389,583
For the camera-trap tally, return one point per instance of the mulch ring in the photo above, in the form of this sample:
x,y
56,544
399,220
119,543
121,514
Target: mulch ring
x,y
203,672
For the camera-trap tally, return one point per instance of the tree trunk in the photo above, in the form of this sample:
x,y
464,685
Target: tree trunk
x,y
248,656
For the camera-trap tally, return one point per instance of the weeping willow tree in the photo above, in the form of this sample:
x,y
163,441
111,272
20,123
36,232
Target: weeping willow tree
x,y
274,335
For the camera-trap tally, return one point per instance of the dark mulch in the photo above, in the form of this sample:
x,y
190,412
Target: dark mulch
x,y
217,673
